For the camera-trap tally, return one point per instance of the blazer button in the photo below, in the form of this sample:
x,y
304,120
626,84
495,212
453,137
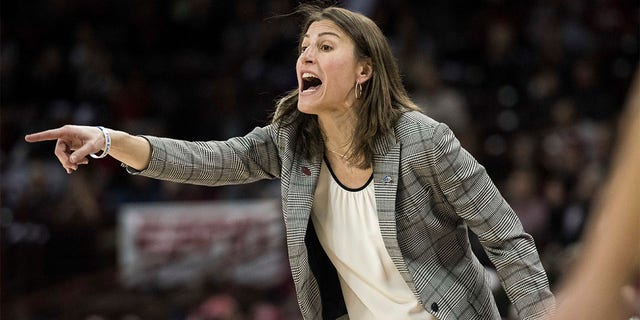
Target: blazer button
x,y
434,307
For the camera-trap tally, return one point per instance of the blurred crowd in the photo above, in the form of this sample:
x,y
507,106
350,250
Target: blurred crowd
x,y
533,89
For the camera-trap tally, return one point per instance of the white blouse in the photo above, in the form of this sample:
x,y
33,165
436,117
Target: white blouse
x,y
346,222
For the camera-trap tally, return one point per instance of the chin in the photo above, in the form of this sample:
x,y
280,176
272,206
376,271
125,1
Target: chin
x,y
306,108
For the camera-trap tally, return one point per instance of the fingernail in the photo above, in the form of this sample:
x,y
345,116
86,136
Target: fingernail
x,y
72,159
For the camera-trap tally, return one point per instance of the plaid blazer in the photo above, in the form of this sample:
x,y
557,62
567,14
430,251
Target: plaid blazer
x,y
429,191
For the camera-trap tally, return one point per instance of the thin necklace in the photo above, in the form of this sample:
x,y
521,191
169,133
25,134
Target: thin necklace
x,y
346,145
344,158
338,153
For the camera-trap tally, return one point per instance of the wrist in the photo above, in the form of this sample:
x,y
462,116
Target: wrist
x,y
107,144
134,151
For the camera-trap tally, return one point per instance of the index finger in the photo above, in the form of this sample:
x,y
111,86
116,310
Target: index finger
x,y
52,134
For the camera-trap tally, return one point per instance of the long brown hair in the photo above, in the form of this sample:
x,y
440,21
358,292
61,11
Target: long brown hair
x,y
383,99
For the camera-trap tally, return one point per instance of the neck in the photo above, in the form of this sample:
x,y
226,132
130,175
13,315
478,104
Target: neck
x,y
338,132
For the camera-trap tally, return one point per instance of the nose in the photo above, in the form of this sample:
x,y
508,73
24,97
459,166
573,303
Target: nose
x,y
308,55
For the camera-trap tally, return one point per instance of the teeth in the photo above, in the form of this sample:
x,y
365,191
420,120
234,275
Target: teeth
x,y
308,75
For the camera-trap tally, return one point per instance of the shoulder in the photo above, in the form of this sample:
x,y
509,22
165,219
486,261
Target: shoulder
x,y
422,136
416,125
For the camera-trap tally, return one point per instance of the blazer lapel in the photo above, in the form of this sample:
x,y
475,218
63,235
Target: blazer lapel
x,y
386,164
304,178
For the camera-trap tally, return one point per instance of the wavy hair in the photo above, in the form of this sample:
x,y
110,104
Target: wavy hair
x,y
383,99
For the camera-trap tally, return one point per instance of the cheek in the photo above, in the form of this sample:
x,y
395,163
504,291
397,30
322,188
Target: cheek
x,y
343,72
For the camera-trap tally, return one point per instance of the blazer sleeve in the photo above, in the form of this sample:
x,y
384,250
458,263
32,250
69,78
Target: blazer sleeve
x,y
467,187
238,160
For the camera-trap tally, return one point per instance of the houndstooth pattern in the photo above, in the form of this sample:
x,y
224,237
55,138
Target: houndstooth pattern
x,y
429,190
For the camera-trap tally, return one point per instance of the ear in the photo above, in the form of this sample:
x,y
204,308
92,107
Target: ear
x,y
365,70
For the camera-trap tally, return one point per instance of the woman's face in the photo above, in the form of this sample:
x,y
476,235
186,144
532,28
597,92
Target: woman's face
x,y
327,70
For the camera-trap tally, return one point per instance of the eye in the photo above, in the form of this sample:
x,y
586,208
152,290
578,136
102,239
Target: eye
x,y
325,48
303,48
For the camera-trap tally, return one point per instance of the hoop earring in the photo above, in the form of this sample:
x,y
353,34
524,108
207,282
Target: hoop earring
x,y
358,90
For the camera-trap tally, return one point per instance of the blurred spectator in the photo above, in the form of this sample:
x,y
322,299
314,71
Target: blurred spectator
x,y
218,307
266,311
439,101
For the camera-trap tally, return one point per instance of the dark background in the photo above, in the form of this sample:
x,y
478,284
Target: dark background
x,y
533,89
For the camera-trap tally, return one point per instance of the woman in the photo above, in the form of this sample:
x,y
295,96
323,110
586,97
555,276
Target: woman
x,y
376,197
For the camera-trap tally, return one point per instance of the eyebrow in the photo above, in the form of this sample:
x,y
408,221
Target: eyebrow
x,y
328,33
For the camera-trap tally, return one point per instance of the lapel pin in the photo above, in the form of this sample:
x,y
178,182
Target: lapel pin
x,y
387,179
306,171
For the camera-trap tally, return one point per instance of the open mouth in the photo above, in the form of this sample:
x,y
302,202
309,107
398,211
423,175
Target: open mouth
x,y
310,82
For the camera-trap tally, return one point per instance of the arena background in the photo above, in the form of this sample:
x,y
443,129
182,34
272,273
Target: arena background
x,y
533,89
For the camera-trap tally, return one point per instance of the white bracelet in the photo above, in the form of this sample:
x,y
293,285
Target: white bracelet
x,y
107,144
